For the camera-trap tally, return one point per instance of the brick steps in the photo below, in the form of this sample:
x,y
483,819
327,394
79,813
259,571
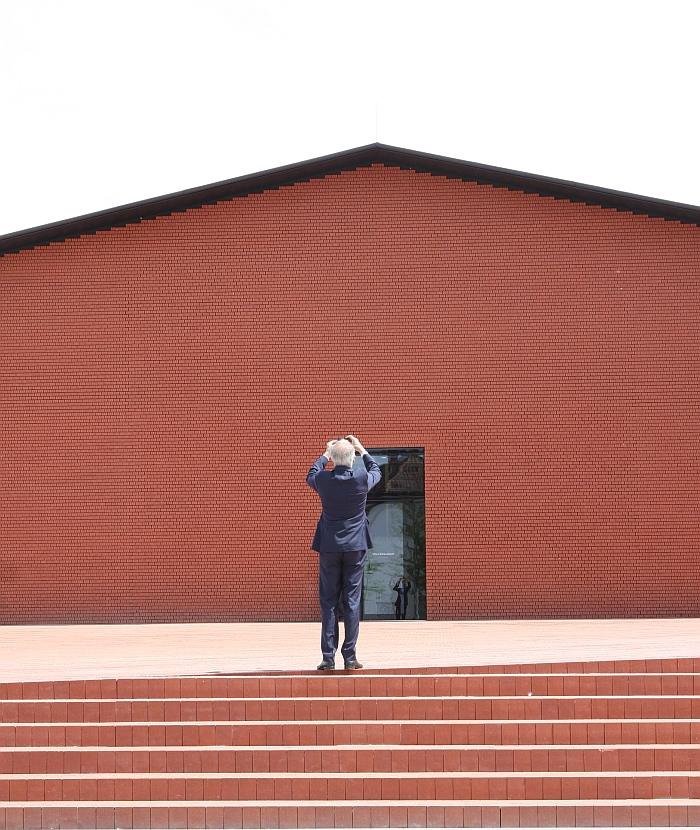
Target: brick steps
x,y
370,758
385,813
353,708
349,786
452,747
362,684
330,733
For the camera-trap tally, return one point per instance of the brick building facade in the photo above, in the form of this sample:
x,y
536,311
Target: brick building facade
x,y
171,369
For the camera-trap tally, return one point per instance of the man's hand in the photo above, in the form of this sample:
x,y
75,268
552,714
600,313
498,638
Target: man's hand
x,y
356,444
327,453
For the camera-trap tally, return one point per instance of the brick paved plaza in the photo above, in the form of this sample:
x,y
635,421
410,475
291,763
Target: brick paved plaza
x,y
30,653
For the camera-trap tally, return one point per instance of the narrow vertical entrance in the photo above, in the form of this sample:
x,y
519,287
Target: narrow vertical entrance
x,y
396,513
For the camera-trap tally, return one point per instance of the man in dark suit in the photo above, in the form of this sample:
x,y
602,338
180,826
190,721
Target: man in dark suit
x,y
342,539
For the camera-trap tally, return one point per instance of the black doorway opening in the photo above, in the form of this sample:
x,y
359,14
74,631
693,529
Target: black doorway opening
x,y
396,513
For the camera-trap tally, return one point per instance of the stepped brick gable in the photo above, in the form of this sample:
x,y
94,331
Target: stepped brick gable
x,y
165,385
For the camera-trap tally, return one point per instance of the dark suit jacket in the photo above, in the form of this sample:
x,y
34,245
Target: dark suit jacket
x,y
343,524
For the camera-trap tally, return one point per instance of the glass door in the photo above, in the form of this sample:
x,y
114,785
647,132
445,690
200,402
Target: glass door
x,y
394,582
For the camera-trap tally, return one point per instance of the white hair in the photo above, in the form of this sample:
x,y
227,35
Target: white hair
x,y
343,453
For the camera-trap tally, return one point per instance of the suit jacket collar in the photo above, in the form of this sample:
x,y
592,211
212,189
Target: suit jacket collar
x,y
341,471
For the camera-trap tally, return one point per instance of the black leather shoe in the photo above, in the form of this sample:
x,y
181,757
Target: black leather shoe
x,y
352,665
326,665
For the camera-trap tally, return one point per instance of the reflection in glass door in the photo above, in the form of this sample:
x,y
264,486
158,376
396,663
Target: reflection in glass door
x,y
384,561
396,513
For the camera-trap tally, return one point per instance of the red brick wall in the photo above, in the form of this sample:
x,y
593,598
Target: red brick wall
x,y
165,386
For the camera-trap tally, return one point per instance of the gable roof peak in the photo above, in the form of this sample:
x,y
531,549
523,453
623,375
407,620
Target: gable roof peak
x,y
357,157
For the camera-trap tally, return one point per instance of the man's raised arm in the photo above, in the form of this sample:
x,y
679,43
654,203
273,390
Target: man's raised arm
x,y
374,474
319,465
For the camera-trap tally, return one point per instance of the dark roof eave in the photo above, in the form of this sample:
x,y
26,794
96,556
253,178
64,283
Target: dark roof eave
x,y
335,163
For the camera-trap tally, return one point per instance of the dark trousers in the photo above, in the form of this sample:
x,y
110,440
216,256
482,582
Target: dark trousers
x,y
339,573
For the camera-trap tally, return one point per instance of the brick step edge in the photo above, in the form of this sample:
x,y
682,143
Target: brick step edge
x,y
290,722
654,665
350,776
341,759
200,687
224,738
330,814
526,707
174,788
527,734
364,748
348,789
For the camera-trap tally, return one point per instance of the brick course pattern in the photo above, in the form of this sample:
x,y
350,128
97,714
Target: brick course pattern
x,y
164,387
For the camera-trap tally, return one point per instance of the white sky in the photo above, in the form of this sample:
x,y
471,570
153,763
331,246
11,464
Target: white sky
x,y
104,103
